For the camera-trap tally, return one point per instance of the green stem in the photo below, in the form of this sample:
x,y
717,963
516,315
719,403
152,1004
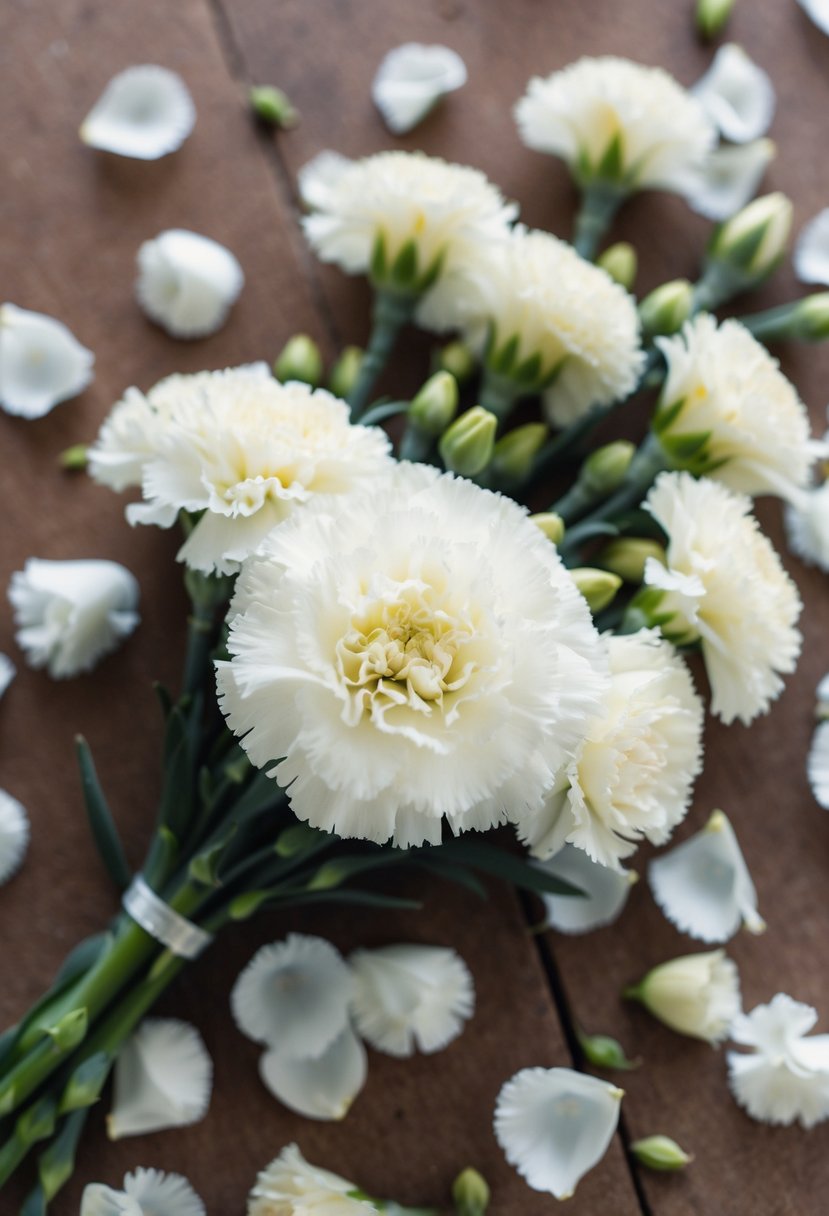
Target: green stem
x,y
598,208
498,394
773,324
200,625
416,445
575,502
391,311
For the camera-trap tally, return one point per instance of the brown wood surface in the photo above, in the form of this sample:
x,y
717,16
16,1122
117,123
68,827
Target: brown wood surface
x,y
70,224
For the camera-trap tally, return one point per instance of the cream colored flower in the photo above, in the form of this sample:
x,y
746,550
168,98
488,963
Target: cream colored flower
x,y
239,447
187,283
737,95
145,1193
727,410
144,112
422,655
724,586
411,80
290,1186
41,362
163,1078
14,835
785,1079
617,121
697,994
633,775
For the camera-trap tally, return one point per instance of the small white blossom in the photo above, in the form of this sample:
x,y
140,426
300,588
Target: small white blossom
x,y
69,614
807,525
697,994
144,112
817,765
410,997
785,1079
7,672
737,95
163,1078
730,177
555,1124
14,835
145,1193
605,892
811,253
725,587
818,11
320,1088
290,1186
187,283
703,885
41,362
411,80
438,660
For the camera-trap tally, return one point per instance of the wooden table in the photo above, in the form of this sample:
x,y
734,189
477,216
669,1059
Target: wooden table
x,y
72,221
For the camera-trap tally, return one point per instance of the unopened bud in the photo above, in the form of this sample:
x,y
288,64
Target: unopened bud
x,y
697,994
470,1194
606,468
466,447
70,1030
457,358
810,319
514,455
273,106
435,405
666,309
712,16
621,263
627,557
74,459
660,1153
598,587
300,360
753,241
551,525
604,1052
345,371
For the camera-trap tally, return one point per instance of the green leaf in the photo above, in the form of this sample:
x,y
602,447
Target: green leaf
x,y
404,268
244,906
683,449
338,870
35,1203
300,839
104,831
177,792
529,372
456,874
57,1163
366,899
378,266
379,413
509,867
37,1122
504,360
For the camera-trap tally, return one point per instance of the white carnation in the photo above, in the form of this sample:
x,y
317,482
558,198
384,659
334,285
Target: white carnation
x,y
786,1076
290,1186
697,994
661,131
633,775
725,587
724,389
422,655
238,446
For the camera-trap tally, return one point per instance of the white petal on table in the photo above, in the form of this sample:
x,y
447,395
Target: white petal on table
x,y
145,1193
41,362
811,253
817,765
163,1078
144,112
818,10
412,79
737,95
729,178
323,1088
605,892
7,672
14,835
187,283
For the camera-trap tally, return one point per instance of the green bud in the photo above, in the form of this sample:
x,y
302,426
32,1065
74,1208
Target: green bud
x,y
753,241
604,1052
598,587
810,319
666,309
345,371
85,1085
458,359
300,360
514,455
466,447
605,469
627,556
621,263
470,1193
74,458
273,106
435,405
712,16
551,525
660,1153
295,840
37,1122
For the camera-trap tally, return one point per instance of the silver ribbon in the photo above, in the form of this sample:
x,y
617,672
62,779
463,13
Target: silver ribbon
x,y
179,935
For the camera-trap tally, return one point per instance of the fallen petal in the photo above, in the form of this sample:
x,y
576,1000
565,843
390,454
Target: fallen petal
x,y
187,283
811,253
322,1088
144,112
737,95
605,892
14,835
41,362
411,80
730,178
163,1078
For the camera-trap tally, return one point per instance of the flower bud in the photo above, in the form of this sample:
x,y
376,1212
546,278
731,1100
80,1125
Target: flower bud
x,y
466,447
810,318
74,459
345,371
604,1052
470,1194
712,15
660,1153
273,106
753,241
697,994
457,358
605,469
300,360
551,525
666,309
435,404
514,455
621,263
627,556
598,587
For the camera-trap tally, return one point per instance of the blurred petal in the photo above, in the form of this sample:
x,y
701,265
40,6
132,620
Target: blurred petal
x,y
737,95
145,1193
14,835
818,10
730,178
7,672
786,1077
605,892
144,112
41,362
817,765
411,80
163,1078
321,1088
811,253
187,283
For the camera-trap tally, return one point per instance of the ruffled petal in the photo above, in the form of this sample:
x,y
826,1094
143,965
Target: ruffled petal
x,y
41,362
163,1078
605,892
321,1088
145,1193
811,253
729,178
14,835
144,112
411,81
187,283
737,95
785,1079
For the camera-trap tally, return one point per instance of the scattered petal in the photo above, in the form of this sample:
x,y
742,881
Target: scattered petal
x,y
144,112
605,892
818,10
817,765
729,178
14,835
294,996
410,997
697,994
290,1184
41,362
703,885
145,1193
822,696
163,1078
737,95
786,1078
7,672
187,283
411,81
319,1088
554,1125
811,253
807,525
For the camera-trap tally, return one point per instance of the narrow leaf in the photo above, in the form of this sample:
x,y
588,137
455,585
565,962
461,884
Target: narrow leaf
x,y
104,831
507,866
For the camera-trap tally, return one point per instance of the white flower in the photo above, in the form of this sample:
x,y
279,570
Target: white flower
x,y
786,1077
69,614
726,588
422,654
291,1187
697,994
725,390
187,283
811,253
410,997
612,110
555,1124
14,835
737,95
163,1078
818,10
7,672
730,177
320,1088
411,81
41,362
294,996
394,201
817,765
145,1193
807,525
144,112
605,891
633,775
238,446
703,885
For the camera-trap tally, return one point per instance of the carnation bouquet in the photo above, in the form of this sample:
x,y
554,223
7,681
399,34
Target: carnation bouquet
x,y
413,621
